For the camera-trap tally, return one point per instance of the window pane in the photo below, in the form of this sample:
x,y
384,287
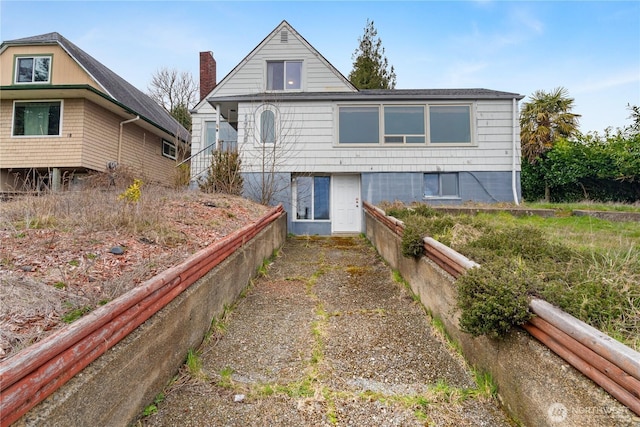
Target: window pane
x,y
359,125
415,140
404,120
25,70
431,187
294,74
36,118
303,197
321,197
449,182
275,75
267,127
41,70
450,124
210,136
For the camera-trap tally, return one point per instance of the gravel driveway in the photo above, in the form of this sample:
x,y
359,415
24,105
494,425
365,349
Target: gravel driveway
x,y
327,337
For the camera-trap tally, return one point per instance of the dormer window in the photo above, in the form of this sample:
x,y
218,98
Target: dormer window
x,y
284,75
33,69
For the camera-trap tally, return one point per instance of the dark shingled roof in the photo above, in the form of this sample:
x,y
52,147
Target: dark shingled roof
x,y
113,85
376,95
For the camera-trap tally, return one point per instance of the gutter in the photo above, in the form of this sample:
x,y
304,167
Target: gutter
x,y
120,135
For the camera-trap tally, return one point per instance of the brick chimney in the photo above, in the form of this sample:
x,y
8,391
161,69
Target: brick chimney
x,y
207,73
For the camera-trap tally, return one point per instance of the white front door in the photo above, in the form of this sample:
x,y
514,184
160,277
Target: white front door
x,y
346,204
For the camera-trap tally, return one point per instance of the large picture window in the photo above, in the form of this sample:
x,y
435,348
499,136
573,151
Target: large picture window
x,y
404,124
284,75
441,185
359,125
450,124
33,69
37,118
312,197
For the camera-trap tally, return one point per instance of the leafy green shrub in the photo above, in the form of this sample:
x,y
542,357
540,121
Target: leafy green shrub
x,y
494,298
224,175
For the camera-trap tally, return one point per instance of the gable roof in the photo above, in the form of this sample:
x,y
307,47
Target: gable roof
x,y
112,84
283,25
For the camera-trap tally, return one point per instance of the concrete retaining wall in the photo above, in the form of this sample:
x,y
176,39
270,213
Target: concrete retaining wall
x,y
114,389
535,386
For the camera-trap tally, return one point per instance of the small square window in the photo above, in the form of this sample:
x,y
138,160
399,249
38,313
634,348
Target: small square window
x,y
168,149
284,75
33,69
444,185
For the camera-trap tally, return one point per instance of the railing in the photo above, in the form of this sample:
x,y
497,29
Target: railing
x,y
34,373
200,161
610,364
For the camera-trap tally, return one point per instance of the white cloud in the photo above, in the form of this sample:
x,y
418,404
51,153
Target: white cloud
x,y
621,78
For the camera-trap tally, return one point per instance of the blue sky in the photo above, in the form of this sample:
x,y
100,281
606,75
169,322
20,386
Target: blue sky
x,y
591,48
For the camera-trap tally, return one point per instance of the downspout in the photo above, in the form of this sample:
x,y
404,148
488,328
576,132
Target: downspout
x,y
120,136
514,151
218,127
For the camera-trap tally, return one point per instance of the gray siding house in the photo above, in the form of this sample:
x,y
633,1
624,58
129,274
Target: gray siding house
x,y
310,140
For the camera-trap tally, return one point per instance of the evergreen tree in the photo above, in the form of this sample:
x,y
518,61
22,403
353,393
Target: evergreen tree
x,y
370,66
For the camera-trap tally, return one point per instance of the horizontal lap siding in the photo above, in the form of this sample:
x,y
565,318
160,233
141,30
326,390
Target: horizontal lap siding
x,y
141,150
250,76
313,144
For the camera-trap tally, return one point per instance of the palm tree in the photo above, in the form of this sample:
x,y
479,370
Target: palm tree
x,y
543,120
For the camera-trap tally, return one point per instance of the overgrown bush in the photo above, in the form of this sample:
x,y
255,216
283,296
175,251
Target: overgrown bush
x,y
224,175
494,298
520,260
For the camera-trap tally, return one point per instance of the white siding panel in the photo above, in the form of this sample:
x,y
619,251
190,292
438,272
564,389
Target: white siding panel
x,y
315,150
249,77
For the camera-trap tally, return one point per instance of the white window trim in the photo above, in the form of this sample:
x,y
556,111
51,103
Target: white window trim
x,y
16,73
21,101
166,143
427,143
294,197
257,120
284,61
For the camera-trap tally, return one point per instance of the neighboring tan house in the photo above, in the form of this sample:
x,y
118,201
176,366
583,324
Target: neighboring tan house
x,y
64,114
311,140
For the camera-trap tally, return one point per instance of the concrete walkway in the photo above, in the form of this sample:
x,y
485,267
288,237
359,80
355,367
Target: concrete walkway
x,y
327,337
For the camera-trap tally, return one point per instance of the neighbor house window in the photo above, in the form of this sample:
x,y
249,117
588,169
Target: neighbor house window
x,y
37,118
311,195
168,149
284,75
441,185
33,69
450,124
359,125
404,124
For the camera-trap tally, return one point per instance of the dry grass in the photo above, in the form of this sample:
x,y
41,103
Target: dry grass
x,y
55,250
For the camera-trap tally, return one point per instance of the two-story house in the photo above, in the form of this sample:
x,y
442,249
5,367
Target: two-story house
x,y
312,141
64,114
